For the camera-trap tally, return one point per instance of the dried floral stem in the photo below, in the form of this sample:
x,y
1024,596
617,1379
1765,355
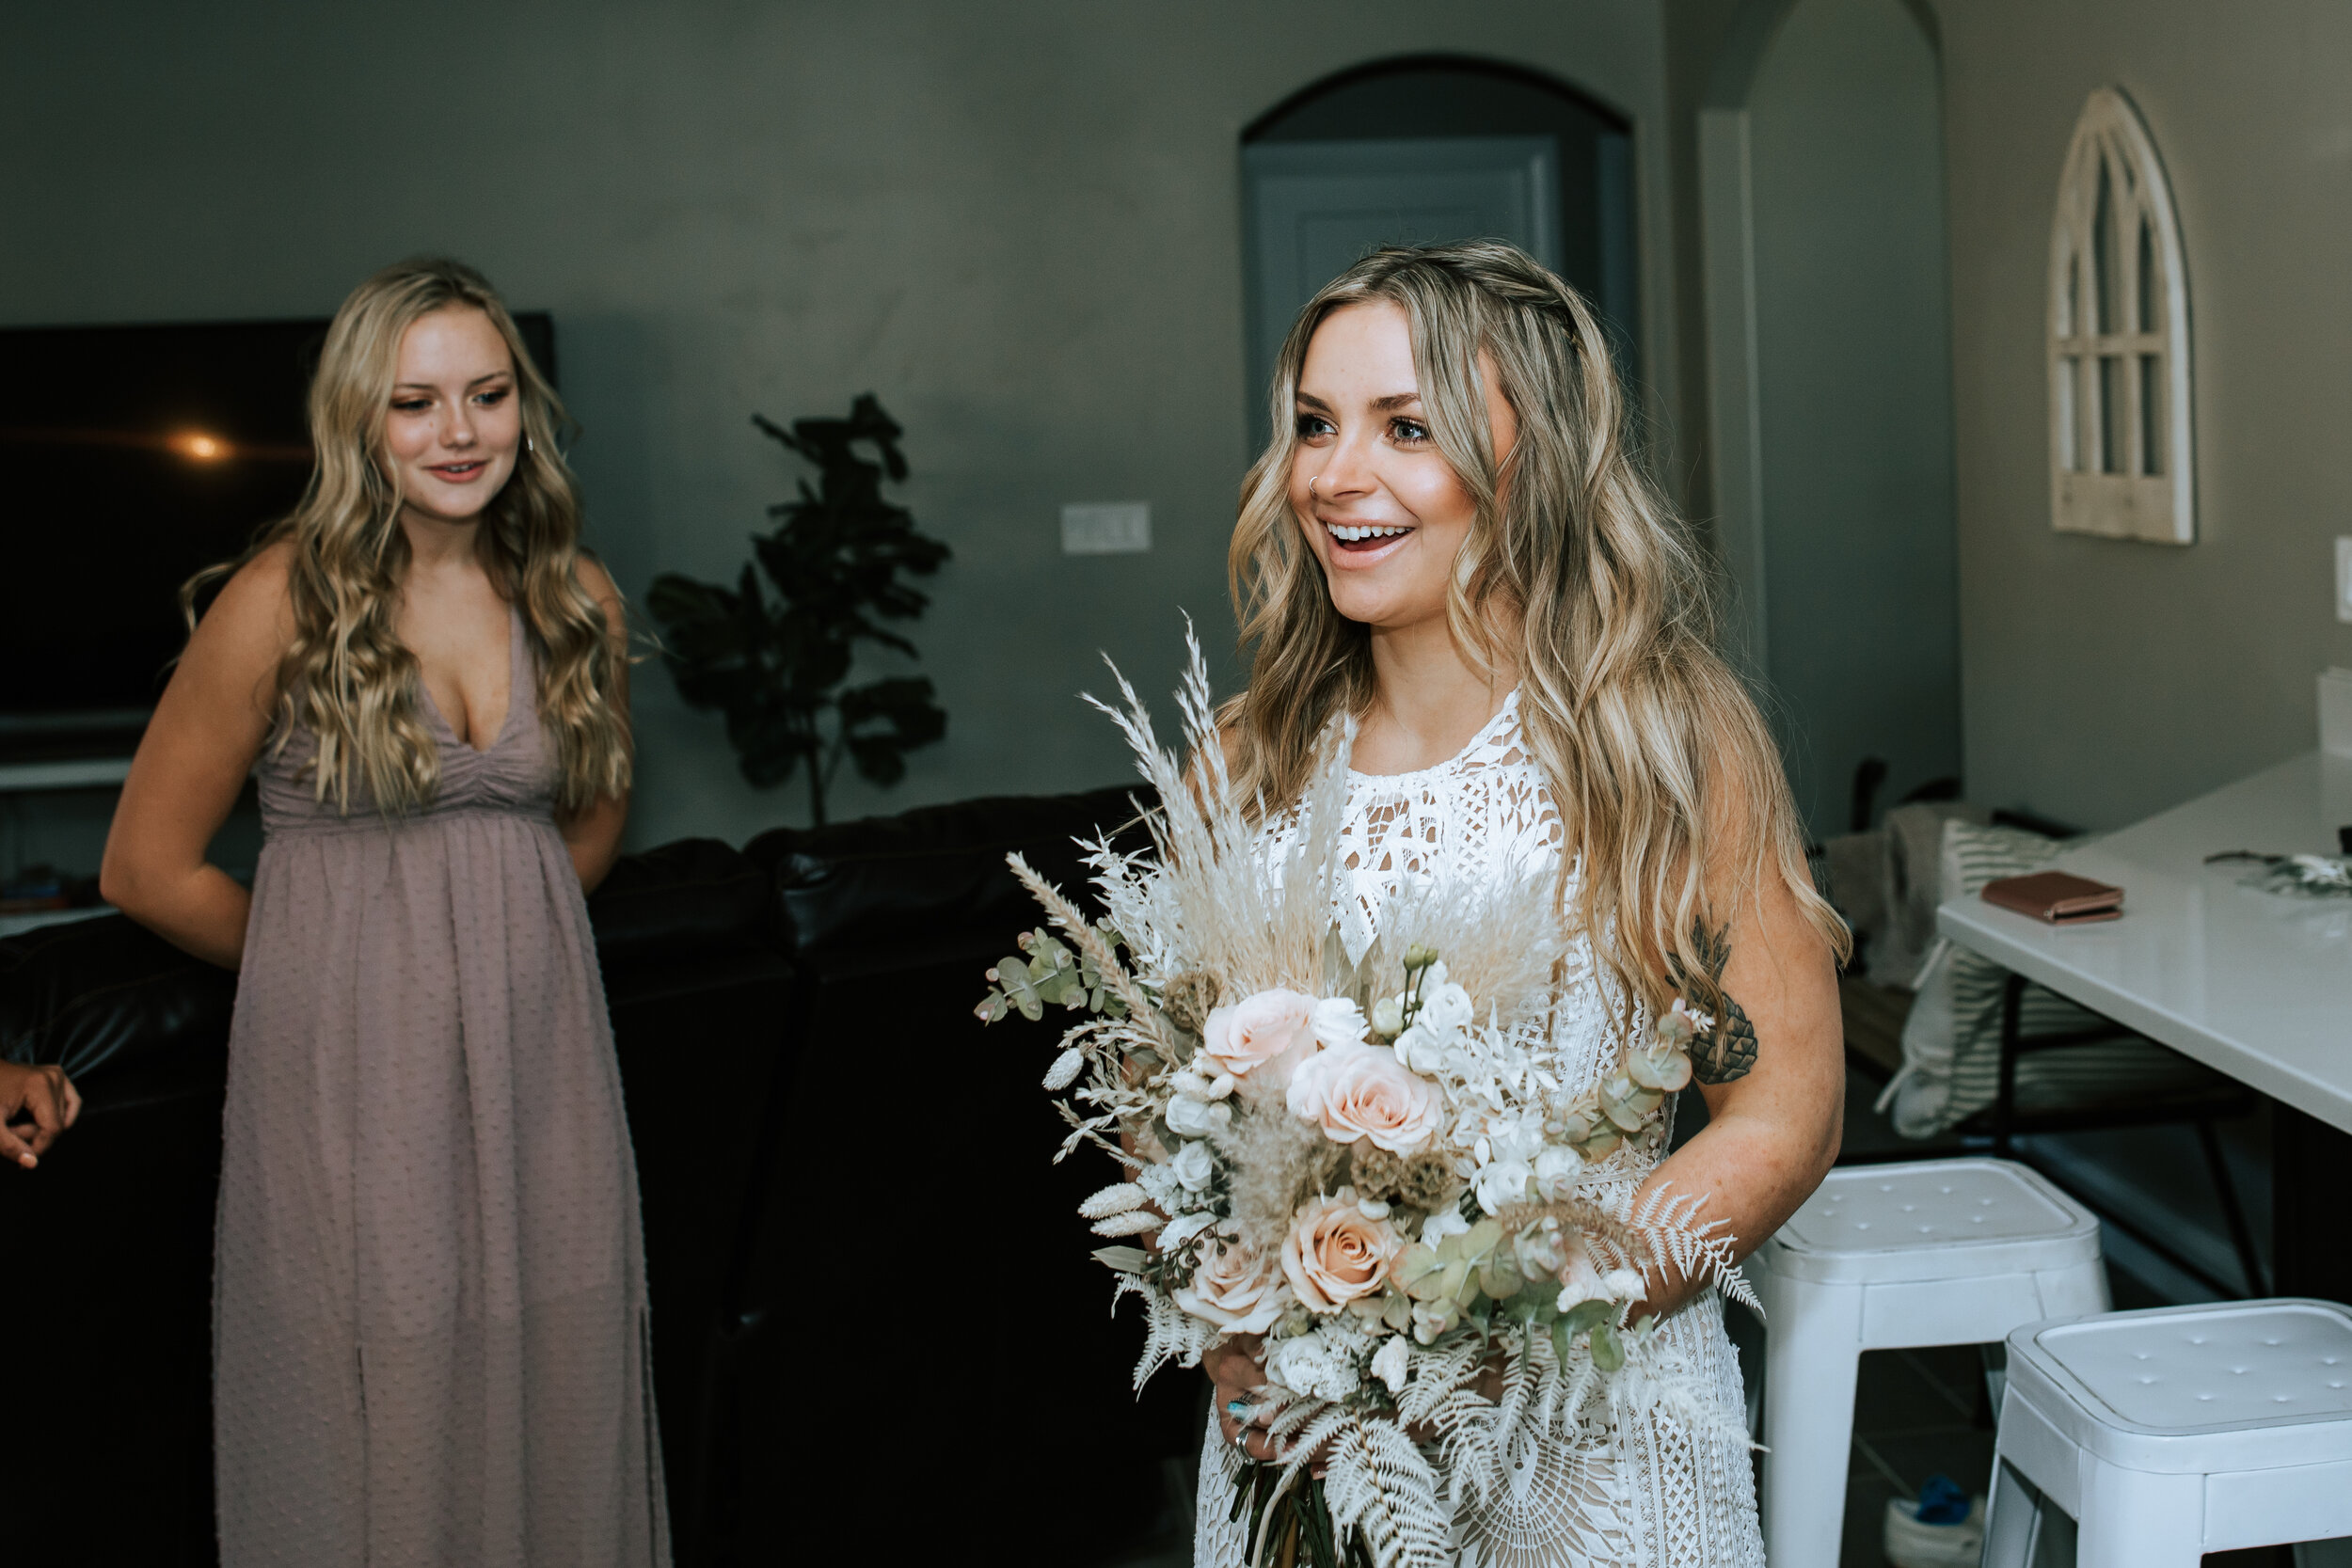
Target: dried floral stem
x,y
1088,940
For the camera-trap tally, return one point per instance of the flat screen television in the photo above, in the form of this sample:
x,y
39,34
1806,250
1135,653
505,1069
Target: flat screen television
x,y
130,458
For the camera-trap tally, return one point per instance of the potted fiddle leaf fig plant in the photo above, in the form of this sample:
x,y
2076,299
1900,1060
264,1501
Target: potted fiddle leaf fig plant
x,y
774,656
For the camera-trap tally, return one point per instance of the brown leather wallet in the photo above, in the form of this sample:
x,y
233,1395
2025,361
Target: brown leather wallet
x,y
2058,898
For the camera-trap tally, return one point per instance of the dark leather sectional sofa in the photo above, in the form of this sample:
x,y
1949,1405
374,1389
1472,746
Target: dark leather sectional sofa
x,y
877,1335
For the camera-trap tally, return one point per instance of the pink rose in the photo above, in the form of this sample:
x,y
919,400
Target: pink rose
x,y
1233,1287
1335,1253
1265,1034
1363,1091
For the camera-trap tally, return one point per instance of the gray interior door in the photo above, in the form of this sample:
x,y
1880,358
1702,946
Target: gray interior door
x,y
1313,209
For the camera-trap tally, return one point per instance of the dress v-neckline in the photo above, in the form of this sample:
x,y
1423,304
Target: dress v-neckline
x,y
506,721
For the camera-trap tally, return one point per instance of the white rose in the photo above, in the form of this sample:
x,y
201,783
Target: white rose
x,y
1556,1168
1389,1366
1502,1183
1447,1007
1339,1022
1195,1119
1387,1016
1193,1166
1306,1365
1421,1050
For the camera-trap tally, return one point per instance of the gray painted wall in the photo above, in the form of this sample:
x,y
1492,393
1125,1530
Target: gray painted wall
x,y
1854,400
1018,223
2102,680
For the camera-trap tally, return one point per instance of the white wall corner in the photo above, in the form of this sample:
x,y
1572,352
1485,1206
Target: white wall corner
x,y
1735,436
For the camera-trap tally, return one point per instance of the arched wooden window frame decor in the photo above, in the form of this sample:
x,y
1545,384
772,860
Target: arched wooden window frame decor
x,y
2123,461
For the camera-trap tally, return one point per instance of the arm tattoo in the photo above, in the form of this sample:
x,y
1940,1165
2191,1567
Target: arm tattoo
x,y
1729,1052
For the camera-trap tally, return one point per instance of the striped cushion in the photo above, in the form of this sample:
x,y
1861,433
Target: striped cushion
x,y
1952,1039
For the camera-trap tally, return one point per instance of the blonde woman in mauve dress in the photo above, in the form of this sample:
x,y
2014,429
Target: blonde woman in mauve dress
x,y
429,1298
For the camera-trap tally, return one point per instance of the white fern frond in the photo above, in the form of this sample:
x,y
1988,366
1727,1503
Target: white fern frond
x,y
1169,1332
1378,1485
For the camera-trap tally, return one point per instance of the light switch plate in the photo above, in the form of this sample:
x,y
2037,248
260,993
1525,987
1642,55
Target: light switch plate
x,y
2344,577
1106,528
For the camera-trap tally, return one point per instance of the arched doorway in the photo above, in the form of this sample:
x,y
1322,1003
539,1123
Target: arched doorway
x,y
1424,149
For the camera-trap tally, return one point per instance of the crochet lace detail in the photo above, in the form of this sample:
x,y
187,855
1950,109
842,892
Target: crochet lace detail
x,y
1654,1497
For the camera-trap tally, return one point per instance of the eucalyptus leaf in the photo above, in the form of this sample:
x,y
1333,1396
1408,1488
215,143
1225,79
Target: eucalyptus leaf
x,y
1021,988
1584,1314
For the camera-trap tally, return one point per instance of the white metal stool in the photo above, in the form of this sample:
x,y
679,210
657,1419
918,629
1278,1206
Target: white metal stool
x,y
1937,1252
2170,1433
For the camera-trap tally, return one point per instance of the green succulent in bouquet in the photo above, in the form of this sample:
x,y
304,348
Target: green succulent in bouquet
x,y
774,656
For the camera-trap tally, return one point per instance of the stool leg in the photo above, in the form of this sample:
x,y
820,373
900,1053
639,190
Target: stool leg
x,y
2074,1292
2133,1519
1813,1345
2012,1519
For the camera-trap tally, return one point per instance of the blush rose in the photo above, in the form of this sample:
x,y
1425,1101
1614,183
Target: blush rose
x,y
1233,1287
1265,1033
1363,1091
1337,1253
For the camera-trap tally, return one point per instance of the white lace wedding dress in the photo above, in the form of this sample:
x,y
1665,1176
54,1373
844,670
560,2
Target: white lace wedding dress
x,y
1668,1502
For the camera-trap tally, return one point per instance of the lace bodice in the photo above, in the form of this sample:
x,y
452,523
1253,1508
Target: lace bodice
x,y
1658,1498
1483,814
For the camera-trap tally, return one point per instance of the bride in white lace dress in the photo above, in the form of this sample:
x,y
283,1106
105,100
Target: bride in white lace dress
x,y
1447,541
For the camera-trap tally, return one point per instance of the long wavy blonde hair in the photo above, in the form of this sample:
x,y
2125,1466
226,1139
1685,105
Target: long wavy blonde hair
x,y
346,677
1577,575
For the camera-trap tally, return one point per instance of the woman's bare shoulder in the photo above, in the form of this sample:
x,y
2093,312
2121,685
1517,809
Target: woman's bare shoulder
x,y
253,612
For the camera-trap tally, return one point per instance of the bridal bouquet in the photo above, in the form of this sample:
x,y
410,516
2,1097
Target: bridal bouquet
x,y
1375,1160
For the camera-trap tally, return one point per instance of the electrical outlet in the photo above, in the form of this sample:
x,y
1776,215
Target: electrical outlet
x,y
2344,577
1106,528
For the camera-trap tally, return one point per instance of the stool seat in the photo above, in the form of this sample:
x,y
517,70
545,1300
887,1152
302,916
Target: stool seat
x,y
2105,1418
2177,1388
1932,1219
1934,1252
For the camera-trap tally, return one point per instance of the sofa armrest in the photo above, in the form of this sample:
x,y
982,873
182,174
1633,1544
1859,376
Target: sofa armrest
x,y
108,998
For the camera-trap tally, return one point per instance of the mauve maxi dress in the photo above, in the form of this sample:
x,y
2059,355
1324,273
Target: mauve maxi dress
x,y
429,1298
